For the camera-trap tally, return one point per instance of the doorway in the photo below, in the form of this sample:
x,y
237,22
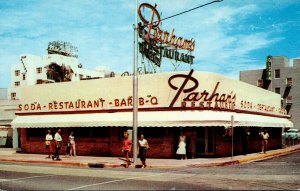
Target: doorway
x,y
205,145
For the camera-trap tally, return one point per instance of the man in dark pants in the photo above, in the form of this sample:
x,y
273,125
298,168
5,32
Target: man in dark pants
x,y
245,140
58,144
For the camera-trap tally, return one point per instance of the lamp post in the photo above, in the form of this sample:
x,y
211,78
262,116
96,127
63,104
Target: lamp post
x,y
135,86
135,71
232,134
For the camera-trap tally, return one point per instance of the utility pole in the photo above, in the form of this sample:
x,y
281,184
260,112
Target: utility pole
x,y
232,134
135,71
135,85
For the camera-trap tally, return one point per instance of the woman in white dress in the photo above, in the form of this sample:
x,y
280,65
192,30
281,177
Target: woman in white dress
x,y
181,147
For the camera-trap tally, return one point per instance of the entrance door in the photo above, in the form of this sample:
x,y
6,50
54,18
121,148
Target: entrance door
x,y
200,145
210,140
205,141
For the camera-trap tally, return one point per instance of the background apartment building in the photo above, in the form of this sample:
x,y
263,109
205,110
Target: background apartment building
x,y
282,77
59,65
7,114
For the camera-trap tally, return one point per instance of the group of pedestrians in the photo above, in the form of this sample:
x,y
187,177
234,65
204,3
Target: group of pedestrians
x,y
143,146
54,145
182,151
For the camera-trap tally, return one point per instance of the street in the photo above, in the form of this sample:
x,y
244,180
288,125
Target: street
x,y
279,173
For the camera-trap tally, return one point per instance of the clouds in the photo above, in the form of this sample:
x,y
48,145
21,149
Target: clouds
x,y
224,42
230,36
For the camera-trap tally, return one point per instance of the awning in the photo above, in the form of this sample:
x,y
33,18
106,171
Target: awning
x,y
5,122
150,119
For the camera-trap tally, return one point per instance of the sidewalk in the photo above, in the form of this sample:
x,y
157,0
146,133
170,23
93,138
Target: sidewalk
x,y
10,155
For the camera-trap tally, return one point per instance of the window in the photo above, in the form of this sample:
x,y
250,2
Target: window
x,y
260,83
277,73
289,100
289,81
13,95
39,81
17,72
39,70
17,83
277,90
24,76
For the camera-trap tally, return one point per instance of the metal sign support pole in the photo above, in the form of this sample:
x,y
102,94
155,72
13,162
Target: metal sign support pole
x,y
135,88
232,134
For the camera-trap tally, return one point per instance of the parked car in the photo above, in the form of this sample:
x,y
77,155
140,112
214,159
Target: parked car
x,y
292,134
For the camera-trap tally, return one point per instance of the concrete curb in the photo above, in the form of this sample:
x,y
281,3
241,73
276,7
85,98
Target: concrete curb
x,y
232,162
62,163
104,165
250,158
269,155
257,157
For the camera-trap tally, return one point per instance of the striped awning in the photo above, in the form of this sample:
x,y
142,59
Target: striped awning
x,y
150,119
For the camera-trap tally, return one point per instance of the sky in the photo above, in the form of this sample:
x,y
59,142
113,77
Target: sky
x,y
230,36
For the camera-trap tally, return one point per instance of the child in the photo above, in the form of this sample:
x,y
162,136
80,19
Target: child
x,y
68,148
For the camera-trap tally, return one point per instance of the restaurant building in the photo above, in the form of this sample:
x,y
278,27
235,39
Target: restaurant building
x,y
201,105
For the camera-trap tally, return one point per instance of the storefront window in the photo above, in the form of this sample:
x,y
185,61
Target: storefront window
x,y
156,132
100,132
37,132
91,132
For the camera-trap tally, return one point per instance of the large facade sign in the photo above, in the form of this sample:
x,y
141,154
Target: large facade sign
x,y
158,43
268,68
62,48
165,91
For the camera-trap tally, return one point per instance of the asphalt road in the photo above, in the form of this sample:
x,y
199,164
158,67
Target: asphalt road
x,y
281,173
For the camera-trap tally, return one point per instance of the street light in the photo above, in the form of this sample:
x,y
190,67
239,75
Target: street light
x,y
135,70
135,85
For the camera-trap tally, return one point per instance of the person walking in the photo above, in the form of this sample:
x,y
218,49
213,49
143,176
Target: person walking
x,y
181,147
264,143
58,144
48,142
126,149
143,147
72,144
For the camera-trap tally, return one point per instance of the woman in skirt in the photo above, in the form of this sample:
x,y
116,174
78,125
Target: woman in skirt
x,y
143,146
